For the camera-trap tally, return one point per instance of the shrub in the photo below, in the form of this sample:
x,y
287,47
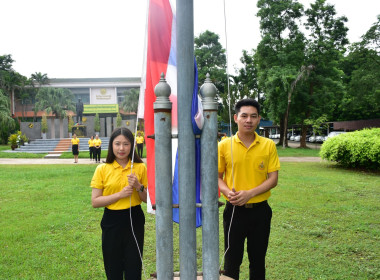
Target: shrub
x,y
118,120
354,149
44,125
70,124
97,123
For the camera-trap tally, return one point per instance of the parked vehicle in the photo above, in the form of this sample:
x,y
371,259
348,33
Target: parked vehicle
x,y
334,133
312,139
320,139
297,138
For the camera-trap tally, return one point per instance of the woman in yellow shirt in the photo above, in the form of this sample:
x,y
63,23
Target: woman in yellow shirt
x,y
120,187
140,144
91,147
75,147
97,148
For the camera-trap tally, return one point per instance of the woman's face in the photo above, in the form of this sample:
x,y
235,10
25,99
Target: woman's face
x,y
121,147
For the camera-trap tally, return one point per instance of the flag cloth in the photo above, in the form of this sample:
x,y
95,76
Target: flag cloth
x,y
197,124
160,57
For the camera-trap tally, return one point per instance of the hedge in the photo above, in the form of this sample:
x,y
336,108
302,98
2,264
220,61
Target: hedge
x,y
354,149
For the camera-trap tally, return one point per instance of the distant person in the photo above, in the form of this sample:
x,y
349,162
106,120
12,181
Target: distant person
x,y
223,137
91,148
97,148
79,110
248,167
140,144
120,190
75,147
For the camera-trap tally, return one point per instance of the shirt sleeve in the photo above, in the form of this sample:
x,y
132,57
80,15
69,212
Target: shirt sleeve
x,y
274,161
97,178
221,159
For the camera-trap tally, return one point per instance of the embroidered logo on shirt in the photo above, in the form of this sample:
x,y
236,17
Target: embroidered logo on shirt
x,y
261,166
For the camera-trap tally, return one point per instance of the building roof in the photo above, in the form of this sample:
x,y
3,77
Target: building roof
x,y
94,82
356,125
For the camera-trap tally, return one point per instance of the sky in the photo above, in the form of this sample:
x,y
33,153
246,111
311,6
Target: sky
x,y
98,38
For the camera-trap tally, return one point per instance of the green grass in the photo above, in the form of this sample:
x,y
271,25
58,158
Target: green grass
x,y
297,152
4,154
287,152
325,224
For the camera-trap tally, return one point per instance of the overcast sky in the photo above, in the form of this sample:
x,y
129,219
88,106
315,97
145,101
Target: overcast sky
x,y
97,38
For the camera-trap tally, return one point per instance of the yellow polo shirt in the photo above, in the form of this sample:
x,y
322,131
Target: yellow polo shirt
x,y
251,165
139,140
97,142
75,141
91,143
112,178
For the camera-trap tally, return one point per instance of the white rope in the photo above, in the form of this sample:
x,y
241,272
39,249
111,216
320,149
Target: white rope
x,y
130,198
231,135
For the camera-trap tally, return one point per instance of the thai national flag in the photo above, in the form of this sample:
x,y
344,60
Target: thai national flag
x,y
161,58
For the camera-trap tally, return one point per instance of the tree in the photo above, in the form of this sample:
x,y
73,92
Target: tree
x,y
131,100
279,54
6,121
305,71
118,120
37,80
56,101
325,48
97,123
362,77
211,58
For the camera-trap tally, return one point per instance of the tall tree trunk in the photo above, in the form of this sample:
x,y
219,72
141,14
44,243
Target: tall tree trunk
x,y
61,128
303,136
280,143
52,128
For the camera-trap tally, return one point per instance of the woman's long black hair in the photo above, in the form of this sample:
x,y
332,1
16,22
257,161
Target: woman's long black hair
x,y
127,134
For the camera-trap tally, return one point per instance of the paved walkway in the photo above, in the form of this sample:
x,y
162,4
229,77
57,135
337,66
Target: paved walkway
x,y
87,161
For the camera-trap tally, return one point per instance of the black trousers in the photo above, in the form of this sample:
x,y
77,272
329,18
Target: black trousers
x,y
252,224
92,152
140,148
97,152
120,253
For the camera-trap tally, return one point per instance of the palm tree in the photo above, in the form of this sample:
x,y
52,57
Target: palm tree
x,y
38,79
56,101
6,121
131,100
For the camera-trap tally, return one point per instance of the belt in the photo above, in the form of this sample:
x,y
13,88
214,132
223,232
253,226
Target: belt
x,y
252,205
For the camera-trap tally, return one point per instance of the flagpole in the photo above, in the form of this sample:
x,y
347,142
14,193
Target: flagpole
x,y
186,140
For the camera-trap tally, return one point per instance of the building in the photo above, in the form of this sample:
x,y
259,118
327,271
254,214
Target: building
x,y
99,95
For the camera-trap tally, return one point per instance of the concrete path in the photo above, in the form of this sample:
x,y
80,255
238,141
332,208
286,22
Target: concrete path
x,y
87,161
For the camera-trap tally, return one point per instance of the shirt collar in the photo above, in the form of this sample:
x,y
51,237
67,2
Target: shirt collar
x,y
115,164
256,141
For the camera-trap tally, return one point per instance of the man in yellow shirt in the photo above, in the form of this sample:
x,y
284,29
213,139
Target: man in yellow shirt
x,y
248,170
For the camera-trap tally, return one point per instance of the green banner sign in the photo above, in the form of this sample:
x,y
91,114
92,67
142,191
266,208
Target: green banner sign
x,y
100,108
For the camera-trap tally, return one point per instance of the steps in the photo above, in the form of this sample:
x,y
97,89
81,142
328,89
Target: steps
x,y
57,146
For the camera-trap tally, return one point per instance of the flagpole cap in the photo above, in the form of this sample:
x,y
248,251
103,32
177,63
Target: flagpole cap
x,y
208,92
162,91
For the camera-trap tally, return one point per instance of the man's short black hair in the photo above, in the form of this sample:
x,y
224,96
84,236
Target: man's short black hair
x,y
247,102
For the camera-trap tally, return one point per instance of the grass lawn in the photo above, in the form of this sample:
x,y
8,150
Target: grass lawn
x,y
325,225
287,152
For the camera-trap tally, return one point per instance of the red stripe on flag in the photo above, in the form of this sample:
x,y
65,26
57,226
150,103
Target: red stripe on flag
x,y
159,40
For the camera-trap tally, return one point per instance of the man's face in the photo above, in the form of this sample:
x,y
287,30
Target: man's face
x,y
247,119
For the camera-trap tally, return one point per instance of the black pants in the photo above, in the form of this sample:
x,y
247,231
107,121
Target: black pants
x,y
252,224
120,253
97,153
140,148
92,153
